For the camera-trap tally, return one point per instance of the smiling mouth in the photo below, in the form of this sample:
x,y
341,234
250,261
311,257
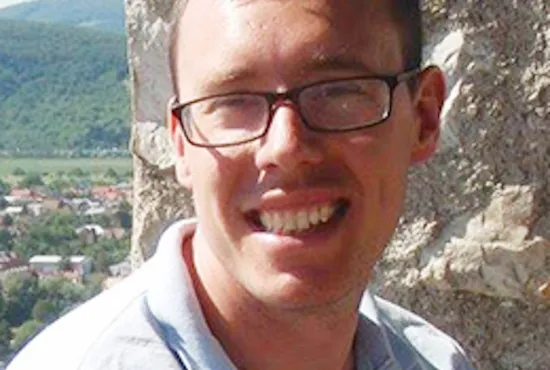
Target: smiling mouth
x,y
302,220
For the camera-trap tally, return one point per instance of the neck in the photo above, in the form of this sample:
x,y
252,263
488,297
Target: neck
x,y
258,336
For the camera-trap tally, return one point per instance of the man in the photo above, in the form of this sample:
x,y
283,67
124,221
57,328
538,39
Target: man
x,y
294,124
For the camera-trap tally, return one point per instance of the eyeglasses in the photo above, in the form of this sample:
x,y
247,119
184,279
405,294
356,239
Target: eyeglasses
x,y
339,105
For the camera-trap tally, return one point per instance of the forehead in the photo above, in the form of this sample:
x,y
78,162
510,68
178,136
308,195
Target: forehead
x,y
255,39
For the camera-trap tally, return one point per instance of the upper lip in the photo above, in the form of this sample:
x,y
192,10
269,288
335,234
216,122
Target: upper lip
x,y
281,199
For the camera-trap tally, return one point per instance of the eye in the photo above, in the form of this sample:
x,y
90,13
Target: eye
x,y
230,102
342,89
233,111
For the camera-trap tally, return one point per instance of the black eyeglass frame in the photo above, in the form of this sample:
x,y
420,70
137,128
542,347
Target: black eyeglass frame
x,y
292,95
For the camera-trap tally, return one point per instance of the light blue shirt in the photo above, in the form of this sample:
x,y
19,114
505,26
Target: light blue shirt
x,y
153,320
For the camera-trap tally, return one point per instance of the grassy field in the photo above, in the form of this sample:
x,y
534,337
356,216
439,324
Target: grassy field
x,y
52,165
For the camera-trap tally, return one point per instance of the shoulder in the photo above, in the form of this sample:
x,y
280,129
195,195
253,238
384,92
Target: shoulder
x,y
98,333
411,338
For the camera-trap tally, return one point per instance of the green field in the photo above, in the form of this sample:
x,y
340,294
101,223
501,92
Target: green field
x,y
50,165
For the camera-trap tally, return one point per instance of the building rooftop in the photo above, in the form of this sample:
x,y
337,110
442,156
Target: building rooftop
x,y
55,259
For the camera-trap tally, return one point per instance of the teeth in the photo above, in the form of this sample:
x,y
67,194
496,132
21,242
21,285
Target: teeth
x,y
266,218
325,213
290,221
313,217
302,221
277,221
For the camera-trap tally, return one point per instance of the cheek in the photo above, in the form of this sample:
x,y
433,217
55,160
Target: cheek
x,y
211,178
218,177
372,158
384,150
379,161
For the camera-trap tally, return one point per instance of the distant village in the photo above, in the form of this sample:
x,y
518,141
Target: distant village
x,y
22,205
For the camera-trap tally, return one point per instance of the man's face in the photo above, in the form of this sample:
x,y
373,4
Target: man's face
x,y
343,191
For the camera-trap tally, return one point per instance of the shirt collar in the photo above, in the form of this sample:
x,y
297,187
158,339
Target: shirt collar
x,y
372,344
173,303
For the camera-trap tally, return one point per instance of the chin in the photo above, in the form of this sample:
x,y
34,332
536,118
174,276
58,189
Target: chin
x,y
298,292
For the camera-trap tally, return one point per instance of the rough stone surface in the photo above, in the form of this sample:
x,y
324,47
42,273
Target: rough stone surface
x,y
472,251
490,252
158,198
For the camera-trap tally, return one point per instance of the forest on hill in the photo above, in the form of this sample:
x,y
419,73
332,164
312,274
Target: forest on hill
x,y
106,15
62,90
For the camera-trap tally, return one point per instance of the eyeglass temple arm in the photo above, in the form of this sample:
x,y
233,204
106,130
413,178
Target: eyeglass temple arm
x,y
408,74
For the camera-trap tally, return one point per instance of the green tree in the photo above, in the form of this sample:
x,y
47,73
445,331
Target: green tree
x,y
62,293
23,333
7,221
5,332
5,338
77,172
4,188
103,220
107,252
111,173
124,219
18,172
125,206
44,311
50,234
94,284
98,258
3,202
21,293
30,180
6,240
59,185
124,215
2,304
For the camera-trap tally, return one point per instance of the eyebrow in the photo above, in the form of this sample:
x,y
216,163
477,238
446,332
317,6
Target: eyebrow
x,y
233,75
337,63
317,65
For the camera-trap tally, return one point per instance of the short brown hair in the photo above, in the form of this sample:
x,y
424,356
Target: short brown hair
x,y
406,14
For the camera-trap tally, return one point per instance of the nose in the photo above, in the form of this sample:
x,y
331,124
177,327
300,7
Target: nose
x,y
288,144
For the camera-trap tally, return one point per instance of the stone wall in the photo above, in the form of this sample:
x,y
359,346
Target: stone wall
x,y
472,253
158,200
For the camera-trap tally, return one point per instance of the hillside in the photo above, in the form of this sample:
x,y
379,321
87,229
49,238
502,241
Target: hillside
x,y
106,15
61,89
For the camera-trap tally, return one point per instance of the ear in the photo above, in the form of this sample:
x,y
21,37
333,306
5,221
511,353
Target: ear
x,y
174,125
429,99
